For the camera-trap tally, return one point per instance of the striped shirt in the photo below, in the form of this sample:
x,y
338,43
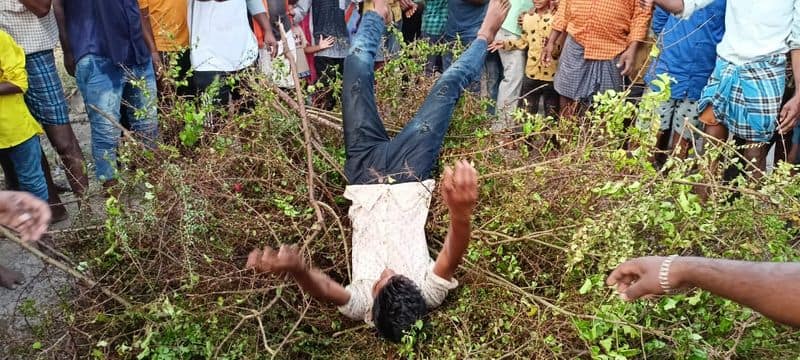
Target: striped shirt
x,y
604,28
32,33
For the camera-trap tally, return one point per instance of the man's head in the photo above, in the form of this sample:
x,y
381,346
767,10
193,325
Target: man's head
x,y
398,305
542,4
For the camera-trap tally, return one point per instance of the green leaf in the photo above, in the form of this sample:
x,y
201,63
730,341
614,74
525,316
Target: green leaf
x,y
36,346
587,286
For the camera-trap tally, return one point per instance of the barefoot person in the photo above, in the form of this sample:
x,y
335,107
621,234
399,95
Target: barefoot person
x,y
744,94
394,280
27,215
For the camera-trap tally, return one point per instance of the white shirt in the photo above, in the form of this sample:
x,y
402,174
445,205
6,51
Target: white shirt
x,y
32,33
755,28
221,39
389,232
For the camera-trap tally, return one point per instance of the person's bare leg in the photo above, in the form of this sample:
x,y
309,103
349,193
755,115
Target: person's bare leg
x,y
567,106
10,278
756,155
680,146
715,130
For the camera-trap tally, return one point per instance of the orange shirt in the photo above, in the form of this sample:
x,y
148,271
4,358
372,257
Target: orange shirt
x,y
168,19
604,28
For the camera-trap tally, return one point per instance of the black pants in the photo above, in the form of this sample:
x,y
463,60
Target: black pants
x,y
327,70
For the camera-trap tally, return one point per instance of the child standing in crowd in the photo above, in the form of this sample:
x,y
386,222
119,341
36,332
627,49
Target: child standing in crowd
x,y
600,49
688,53
303,46
536,26
19,131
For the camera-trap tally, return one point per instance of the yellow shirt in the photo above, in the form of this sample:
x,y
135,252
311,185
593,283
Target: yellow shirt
x,y
17,125
535,30
168,19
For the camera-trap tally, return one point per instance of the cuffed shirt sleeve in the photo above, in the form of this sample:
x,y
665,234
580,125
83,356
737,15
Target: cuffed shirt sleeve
x,y
255,7
12,63
640,24
360,303
690,6
560,21
794,38
435,288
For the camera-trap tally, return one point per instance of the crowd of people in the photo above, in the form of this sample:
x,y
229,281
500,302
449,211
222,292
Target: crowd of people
x,y
730,60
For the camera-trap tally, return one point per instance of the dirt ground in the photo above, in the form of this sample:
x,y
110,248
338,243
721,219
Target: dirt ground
x,y
27,309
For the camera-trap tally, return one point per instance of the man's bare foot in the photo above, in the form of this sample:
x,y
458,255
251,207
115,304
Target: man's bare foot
x,y
495,15
10,278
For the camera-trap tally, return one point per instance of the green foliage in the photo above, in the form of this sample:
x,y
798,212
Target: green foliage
x,y
567,204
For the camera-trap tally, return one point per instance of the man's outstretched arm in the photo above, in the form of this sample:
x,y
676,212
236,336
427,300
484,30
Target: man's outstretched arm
x,y
773,289
683,8
288,260
460,194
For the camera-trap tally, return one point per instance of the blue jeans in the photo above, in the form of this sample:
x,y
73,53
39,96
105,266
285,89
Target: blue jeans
x,y
26,161
105,86
412,154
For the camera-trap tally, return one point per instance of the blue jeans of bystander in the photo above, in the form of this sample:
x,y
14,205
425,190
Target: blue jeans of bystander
x,y
105,86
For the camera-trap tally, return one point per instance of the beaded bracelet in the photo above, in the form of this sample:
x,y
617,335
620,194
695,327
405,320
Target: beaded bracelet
x,y
663,274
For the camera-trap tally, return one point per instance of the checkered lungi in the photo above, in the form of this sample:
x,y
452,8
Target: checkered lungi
x,y
746,98
45,96
579,79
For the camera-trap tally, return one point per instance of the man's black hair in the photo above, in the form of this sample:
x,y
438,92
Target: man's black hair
x,y
397,307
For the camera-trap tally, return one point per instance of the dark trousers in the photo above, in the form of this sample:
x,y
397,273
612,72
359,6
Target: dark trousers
x,y
327,69
372,156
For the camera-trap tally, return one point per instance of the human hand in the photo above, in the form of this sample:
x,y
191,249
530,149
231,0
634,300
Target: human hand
x,y
69,63
646,4
546,58
627,60
285,260
24,213
271,43
637,278
409,7
520,18
460,188
158,66
789,115
496,45
325,42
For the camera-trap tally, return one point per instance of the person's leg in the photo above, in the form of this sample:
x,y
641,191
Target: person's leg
x,y
513,68
683,138
100,82
48,105
141,103
363,128
27,160
413,153
491,78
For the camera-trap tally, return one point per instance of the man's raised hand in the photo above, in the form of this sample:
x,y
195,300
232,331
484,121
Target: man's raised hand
x,y
285,260
460,188
24,213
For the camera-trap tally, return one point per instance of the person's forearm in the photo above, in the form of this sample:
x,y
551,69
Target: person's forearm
x,y
672,6
263,22
58,11
39,8
773,289
455,245
321,287
147,30
796,70
7,88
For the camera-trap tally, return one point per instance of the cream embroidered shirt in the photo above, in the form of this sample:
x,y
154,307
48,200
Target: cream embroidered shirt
x,y
389,232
